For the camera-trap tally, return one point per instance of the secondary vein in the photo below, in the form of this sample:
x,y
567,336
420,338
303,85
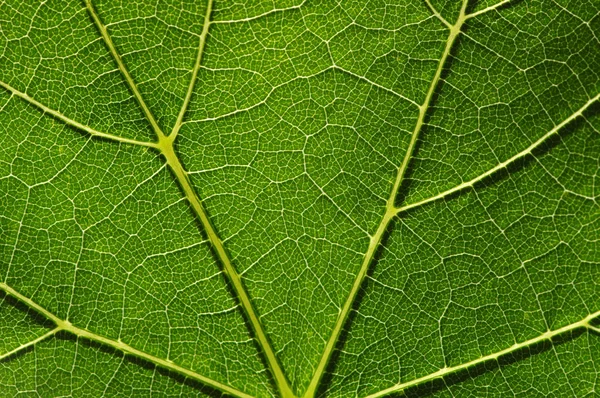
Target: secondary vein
x,y
30,343
488,9
122,68
74,123
64,325
504,164
188,94
547,336
389,213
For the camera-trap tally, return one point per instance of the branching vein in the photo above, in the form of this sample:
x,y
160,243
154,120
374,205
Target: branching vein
x,y
500,166
165,144
122,68
74,123
63,325
547,336
438,15
389,214
166,147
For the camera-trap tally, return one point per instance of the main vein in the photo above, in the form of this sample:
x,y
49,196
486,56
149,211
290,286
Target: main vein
x,y
166,147
228,268
389,213
547,336
63,325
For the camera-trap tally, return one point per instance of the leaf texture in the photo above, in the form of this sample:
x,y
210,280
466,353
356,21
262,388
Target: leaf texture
x,y
299,198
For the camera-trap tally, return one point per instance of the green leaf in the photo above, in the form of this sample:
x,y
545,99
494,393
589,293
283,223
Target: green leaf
x,y
299,198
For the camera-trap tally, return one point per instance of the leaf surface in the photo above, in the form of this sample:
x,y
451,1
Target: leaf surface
x,y
299,198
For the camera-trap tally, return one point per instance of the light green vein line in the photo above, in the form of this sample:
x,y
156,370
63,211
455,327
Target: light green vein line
x,y
438,15
119,345
487,9
548,336
504,164
31,304
166,147
30,343
72,122
389,214
122,68
190,89
273,11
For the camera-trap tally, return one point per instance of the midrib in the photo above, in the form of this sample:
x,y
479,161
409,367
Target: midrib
x,y
390,212
166,147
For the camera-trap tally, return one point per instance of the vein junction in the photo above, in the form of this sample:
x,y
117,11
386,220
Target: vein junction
x,y
66,326
390,212
165,145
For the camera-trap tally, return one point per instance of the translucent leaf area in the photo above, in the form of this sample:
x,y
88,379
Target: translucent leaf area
x,y
300,199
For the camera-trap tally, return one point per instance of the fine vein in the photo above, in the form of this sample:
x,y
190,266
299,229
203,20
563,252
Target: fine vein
x,y
63,325
255,17
547,336
389,214
504,164
188,94
72,122
122,68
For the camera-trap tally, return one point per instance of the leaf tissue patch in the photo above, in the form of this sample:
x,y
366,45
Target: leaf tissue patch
x,y
300,199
